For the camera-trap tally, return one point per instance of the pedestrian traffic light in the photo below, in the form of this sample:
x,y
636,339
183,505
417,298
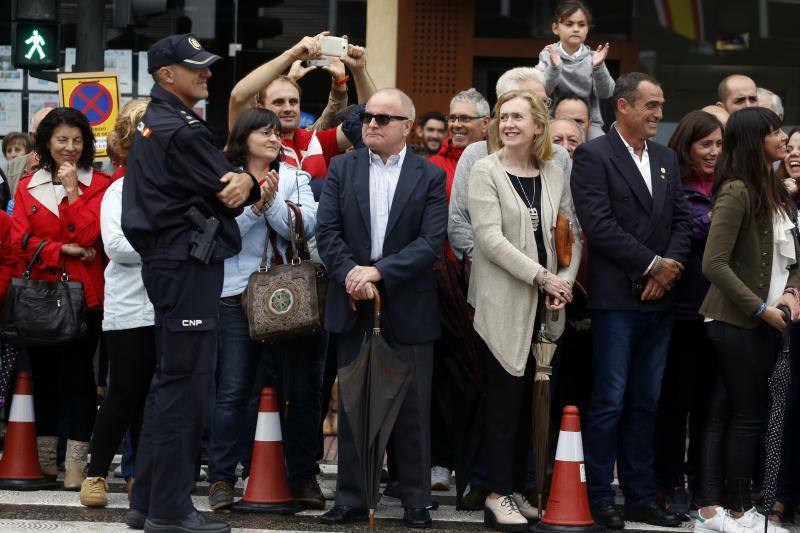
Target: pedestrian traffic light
x,y
257,26
135,12
35,34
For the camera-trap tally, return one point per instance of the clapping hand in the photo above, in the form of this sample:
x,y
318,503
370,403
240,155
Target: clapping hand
x,y
555,57
269,188
600,54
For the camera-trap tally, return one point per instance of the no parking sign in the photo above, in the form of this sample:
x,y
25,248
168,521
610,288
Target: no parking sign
x,y
96,95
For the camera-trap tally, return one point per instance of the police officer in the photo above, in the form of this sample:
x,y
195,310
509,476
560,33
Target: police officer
x,y
178,208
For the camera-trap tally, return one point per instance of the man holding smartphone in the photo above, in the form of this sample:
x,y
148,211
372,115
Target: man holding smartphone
x,y
267,87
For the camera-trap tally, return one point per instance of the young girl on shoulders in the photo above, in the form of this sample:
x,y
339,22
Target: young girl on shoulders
x,y
571,67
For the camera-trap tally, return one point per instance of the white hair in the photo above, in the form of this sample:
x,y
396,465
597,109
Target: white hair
x,y
777,104
405,101
472,96
510,79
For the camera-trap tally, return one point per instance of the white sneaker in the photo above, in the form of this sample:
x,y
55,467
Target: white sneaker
x,y
754,520
721,522
525,508
503,514
440,478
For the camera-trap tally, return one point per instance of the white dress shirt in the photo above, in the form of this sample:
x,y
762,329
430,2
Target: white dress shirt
x,y
642,164
383,180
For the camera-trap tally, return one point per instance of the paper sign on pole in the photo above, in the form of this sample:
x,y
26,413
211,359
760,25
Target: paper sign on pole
x,y
96,95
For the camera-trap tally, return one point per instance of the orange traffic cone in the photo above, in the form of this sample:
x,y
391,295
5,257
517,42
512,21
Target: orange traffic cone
x,y
19,467
267,489
568,504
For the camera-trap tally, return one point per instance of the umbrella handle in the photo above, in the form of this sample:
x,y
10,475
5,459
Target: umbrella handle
x,y
376,298
376,323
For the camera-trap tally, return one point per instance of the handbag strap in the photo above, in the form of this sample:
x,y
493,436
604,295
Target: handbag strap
x,y
299,244
29,268
298,241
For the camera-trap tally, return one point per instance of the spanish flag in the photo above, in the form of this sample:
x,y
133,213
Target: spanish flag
x,y
684,17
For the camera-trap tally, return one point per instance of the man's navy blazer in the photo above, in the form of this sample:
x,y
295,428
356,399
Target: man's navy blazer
x,y
625,226
415,236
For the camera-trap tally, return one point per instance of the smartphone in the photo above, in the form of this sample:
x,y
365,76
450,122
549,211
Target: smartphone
x,y
318,62
333,46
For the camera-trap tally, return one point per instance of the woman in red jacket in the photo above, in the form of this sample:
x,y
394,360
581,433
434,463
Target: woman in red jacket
x,y
9,267
60,204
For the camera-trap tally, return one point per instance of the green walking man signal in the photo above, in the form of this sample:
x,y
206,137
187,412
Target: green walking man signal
x,y
35,45
35,41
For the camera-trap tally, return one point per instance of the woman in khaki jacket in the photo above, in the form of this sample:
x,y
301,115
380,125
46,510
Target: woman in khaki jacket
x,y
751,259
515,196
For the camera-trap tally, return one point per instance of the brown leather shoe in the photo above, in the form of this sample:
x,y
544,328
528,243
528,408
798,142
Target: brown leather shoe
x,y
309,495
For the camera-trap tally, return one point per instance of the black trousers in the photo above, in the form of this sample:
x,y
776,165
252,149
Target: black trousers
x,y
507,437
66,371
441,416
736,410
185,296
684,393
132,361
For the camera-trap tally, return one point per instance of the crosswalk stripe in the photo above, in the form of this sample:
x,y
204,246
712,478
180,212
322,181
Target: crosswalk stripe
x,y
445,513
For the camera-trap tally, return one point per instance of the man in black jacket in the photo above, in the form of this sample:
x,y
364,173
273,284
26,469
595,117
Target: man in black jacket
x,y
630,204
381,224
173,168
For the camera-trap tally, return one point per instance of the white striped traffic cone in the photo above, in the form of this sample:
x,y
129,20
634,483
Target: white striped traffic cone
x,y
568,504
19,467
267,489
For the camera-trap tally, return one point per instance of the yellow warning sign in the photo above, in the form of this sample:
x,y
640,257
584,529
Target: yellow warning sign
x,y
96,95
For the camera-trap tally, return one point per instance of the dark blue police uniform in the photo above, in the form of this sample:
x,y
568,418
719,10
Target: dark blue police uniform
x,y
172,167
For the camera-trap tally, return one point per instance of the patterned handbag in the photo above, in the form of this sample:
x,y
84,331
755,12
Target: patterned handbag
x,y
286,301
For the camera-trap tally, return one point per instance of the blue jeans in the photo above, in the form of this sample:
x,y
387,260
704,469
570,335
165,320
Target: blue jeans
x,y
233,419
630,352
237,360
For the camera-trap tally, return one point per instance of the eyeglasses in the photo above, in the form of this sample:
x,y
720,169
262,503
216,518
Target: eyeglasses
x,y
464,119
269,132
382,120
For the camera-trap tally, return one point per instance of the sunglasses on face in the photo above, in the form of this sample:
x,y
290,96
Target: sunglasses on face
x,y
381,120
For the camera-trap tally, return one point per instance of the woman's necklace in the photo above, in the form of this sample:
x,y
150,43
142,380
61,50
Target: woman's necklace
x,y
534,214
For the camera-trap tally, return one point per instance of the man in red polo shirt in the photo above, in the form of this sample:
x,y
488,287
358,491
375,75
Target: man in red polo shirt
x,y
267,87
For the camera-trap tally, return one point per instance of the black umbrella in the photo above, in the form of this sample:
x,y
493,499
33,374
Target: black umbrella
x,y
778,385
373,388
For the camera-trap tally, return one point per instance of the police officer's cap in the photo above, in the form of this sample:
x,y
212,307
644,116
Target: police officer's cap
x,y
182,49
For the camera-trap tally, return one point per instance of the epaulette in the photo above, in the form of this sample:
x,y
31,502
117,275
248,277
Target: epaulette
x,y
190,119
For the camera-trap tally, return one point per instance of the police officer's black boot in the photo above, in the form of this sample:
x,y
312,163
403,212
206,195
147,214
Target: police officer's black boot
x,y
196,522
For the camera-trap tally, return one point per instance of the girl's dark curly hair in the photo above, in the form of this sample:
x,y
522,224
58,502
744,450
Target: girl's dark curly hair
x,y
66,116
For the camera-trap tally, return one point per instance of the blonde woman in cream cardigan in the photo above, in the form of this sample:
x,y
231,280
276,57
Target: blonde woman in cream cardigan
x,y
515,196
